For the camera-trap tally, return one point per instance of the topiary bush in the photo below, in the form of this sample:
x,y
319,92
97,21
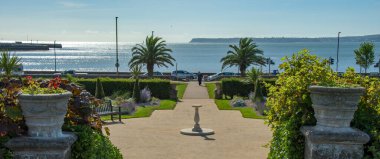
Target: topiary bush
x,y
290,103
160,88
92,144
136,91
99,92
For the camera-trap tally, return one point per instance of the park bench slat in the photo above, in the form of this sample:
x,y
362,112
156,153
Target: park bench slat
x,y
107,109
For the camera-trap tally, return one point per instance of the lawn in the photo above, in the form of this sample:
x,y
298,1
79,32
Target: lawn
x,y
224,104
147,111
247,112
181,88
210,90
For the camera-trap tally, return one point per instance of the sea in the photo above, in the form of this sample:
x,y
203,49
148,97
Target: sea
x,y
192,57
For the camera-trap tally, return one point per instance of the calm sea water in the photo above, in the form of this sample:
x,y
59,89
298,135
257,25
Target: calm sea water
x,y
100,56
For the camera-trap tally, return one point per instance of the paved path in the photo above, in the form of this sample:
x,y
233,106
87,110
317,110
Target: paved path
x,y
158,137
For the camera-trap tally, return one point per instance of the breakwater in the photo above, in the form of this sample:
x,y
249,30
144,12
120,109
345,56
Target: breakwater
x,y
19,46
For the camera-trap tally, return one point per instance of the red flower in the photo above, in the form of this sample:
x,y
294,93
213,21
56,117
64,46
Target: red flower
x,y
55,82
29,78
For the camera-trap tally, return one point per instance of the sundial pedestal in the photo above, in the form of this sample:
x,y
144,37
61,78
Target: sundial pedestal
x,y
197,130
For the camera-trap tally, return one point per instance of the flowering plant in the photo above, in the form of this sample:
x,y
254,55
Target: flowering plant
x,y
34,87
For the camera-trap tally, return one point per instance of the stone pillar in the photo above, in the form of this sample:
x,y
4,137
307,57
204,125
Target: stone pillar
x,y
332,137
218,91
42,147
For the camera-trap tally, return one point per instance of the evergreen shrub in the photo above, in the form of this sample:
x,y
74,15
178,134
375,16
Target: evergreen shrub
x,y
99,92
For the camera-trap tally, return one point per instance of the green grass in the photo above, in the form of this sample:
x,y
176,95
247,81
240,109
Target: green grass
x,y
181,88
210,90
147,110
247,112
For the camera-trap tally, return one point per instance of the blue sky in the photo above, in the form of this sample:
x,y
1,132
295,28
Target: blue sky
x,y
181,20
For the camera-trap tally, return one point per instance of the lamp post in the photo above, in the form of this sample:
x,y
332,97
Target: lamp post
x,y
117,52
55,59
337,54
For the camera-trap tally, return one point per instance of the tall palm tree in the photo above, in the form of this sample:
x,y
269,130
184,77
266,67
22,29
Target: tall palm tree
x,y
153,52
365,55
8,63
243,55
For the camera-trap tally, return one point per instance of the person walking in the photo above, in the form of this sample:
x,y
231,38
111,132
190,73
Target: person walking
x,y
200,77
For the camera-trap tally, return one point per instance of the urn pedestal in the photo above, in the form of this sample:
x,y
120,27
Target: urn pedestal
x,y
218,91
44,116
332,137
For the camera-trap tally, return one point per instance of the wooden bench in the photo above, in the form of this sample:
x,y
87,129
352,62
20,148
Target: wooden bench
x,y
107,109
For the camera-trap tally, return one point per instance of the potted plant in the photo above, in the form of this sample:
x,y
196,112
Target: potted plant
x,y
44,109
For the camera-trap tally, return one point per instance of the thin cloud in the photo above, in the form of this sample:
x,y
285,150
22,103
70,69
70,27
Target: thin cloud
x,y
91,32
68,4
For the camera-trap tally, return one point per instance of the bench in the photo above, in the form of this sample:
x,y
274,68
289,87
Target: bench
x,y
107,109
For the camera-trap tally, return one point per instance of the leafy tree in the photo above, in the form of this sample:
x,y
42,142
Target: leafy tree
x,y
365,55
8,63
243,55
153,52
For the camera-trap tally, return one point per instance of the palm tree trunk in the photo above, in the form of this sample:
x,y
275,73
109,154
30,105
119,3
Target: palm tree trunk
x,y
242,72
150,68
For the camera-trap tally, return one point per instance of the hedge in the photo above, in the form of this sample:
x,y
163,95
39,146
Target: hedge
x,y
240,87
234,86
160,88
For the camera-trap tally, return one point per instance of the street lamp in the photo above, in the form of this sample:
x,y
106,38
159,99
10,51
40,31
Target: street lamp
x,y
55,59
337,54
117,52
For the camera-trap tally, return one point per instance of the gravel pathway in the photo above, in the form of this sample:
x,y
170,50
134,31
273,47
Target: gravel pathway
x,y
158,137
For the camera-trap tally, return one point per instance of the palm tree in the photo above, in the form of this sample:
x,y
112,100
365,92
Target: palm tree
x,y
8,63
243,55
153,52
365,55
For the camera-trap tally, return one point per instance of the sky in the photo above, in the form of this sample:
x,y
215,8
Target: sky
x,y
182,20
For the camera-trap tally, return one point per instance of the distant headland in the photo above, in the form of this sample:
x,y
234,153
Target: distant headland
x,y
373,38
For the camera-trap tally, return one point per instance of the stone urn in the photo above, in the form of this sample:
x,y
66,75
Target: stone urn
x,y
334,106
44,113
333,137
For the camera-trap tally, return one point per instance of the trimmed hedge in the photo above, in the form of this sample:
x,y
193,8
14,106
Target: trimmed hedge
x,y
236,86
160,88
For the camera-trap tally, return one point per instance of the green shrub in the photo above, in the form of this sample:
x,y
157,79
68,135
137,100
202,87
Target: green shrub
x,y
290,103
160,88
367,117
236,87
265,83
99,92
258,92
136,90
123,95
91,144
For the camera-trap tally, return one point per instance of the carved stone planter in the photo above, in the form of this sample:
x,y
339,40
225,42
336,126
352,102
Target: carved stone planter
x,y
44,113
333,137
